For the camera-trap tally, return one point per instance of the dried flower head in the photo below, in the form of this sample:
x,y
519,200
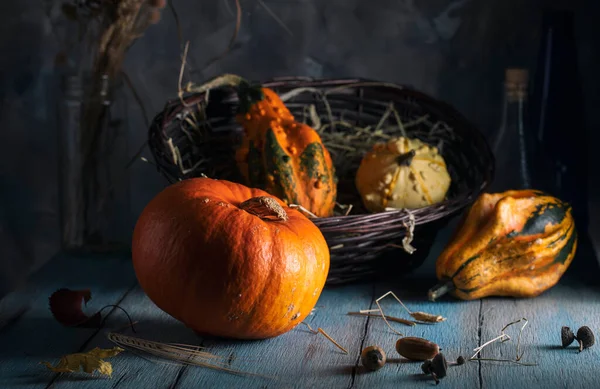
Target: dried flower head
x,y
585,337
566,336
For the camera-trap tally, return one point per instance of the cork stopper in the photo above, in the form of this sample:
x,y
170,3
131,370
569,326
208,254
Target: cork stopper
x,y
515,82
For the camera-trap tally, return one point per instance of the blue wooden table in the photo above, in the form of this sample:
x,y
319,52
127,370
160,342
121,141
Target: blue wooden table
x,y
301,359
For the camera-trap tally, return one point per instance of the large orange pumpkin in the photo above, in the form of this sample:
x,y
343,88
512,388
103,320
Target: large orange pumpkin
x,y
227,260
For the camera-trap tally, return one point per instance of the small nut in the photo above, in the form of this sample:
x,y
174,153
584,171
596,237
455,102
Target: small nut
x,y
373,358
416,349
585,337
439,365
567,336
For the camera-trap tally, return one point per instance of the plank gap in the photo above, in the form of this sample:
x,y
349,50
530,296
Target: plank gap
x,y
479,334
364,337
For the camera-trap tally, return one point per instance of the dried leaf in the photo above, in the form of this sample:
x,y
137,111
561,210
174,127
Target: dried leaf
x,y
88,362
66,307
427,317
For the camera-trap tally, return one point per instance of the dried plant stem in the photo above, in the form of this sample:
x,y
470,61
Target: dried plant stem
x,y
390,318
275,17
503,338
322,332
181,354
503,360
398,121
180,90
385,116
122,310
384,316
519,356
302,209
419,316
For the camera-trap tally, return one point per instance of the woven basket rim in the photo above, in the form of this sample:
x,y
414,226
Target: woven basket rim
x,y
450,205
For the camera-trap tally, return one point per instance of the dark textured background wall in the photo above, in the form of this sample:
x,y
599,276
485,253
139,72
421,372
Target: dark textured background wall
x,y
455,50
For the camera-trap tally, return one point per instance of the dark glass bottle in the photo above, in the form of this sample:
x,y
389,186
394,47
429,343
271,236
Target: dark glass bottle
x,y
557,117
511,145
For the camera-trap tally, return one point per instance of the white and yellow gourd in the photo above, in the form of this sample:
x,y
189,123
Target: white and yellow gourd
x,y
402,173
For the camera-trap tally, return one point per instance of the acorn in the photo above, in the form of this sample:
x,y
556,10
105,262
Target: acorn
x,y
585,337
567,336
437,367
417,349
373,358
426,366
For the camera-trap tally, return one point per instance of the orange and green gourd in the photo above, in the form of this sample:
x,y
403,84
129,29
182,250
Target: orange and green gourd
x,y
282,156
517,243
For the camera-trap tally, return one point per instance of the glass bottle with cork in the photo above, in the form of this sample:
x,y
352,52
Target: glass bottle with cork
x,y
512,146
558,117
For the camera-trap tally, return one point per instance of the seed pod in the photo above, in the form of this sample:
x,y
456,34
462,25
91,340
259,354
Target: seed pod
x,y
417,349
427,317
566,336
585,337
439,365
373,358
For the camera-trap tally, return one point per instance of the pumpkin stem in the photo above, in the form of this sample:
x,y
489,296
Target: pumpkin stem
x,y
267,208
406,158
440,289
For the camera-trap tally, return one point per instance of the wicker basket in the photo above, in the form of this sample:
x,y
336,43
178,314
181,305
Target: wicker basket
x,y
192,137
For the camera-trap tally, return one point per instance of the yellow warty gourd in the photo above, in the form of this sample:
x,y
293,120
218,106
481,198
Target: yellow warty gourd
x,y
402,173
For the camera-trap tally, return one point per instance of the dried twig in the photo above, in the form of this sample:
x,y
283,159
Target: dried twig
x,y
504,338
322,332
519,356
275,17
390,318
420,316
302,209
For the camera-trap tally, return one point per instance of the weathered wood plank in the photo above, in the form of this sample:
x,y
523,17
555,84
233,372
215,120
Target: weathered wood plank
x,y
300,359
456,336
33,335
297,359
574,302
